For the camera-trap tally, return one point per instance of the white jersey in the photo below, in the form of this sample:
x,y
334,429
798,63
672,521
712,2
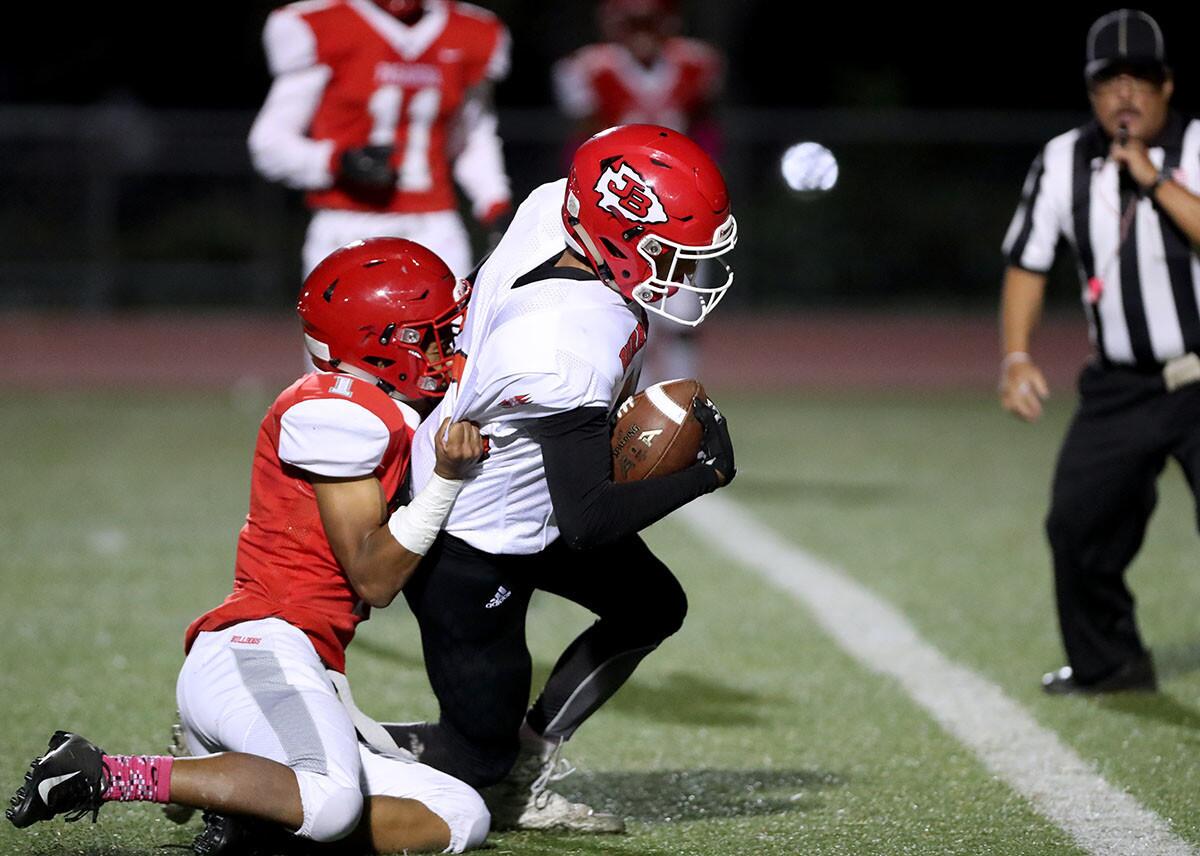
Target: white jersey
x,y
537,344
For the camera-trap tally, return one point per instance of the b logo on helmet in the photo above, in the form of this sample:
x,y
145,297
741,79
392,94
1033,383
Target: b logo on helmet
x,y
624,192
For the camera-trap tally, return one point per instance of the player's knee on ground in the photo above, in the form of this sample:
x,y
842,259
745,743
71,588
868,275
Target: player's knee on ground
x,y
463,811
331,810
458,805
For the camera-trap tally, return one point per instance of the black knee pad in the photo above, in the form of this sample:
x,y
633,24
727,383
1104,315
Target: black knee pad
x,y
659,613
674,611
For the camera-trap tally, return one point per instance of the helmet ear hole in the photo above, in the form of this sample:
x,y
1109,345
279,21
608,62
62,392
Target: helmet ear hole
x,y
380,362
613,249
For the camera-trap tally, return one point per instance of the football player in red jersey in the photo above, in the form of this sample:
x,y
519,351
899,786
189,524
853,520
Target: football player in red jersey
x,y
645,72
325,540
374,108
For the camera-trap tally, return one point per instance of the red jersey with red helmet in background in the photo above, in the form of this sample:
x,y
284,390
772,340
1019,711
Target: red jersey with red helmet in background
x,y
386,83
332,425
606,84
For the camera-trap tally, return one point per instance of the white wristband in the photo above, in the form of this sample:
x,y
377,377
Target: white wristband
x,y
417,524
1012,358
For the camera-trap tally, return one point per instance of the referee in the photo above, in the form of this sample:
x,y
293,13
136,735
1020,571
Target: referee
x,y
1122,191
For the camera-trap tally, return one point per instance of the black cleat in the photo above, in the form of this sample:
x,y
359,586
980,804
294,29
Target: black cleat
x,y
224,835
69,779
219,837
1135,676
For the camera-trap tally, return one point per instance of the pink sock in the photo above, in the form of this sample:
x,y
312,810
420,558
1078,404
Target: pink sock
x,y
138,777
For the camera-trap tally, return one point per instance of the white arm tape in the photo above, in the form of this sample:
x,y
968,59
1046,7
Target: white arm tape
x,y
415,525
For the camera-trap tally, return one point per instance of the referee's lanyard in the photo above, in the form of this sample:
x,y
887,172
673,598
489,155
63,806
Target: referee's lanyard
x,y
1095,284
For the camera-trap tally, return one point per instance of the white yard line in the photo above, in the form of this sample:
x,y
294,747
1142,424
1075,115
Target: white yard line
x,y
1061,786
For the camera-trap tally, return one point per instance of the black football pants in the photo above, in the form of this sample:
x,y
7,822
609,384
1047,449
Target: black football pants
x,y
471,607
1104,492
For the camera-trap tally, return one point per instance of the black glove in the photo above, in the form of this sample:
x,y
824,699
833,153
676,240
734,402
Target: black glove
x,y
716,449
369,167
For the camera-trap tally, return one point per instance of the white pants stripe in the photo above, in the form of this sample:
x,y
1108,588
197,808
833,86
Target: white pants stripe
x,y
283,708
440,231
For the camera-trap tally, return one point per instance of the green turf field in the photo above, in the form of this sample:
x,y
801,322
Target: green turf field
x,y
749,732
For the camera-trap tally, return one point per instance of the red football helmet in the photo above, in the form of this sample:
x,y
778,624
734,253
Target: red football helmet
x,y
642,26
620,18
644,205
384,310
408,11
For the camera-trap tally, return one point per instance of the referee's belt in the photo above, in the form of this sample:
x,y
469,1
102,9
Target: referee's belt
x,y
1176,374
1181,371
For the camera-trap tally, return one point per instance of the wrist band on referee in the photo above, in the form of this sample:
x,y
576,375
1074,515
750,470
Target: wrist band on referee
x,y
417,524
1162,179
1012,358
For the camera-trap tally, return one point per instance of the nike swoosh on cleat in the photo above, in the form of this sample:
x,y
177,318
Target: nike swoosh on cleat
x,y
45,785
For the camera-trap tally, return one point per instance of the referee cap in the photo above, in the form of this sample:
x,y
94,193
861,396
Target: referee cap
x,y
1127,38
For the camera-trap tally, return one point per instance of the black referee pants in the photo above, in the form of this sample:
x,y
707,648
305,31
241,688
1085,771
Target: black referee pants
x,y
1104,492
471,607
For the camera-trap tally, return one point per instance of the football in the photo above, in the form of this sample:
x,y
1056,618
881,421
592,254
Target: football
x,y
656,432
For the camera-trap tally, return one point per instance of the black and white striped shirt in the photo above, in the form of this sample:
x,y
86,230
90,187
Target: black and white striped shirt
x,y
1139,274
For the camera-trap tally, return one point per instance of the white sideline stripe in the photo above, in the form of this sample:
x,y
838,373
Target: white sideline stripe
x,y
1062,787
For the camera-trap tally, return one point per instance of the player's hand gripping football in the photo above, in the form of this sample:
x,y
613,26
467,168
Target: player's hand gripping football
x,y
716,449
368,167
457,447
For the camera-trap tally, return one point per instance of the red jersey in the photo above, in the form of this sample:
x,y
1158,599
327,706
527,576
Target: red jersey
x,y
388,84
604,83
332,424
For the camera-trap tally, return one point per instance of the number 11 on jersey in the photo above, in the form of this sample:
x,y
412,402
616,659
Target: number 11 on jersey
x,y
387,109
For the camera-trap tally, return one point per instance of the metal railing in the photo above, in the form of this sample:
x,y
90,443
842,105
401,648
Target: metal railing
x,y
114,205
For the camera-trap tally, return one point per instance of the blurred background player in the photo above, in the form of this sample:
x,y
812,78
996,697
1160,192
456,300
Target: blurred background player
x,y
324,541
645,72
374,107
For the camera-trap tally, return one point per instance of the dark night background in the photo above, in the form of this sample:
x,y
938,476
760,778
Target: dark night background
x,y
1009,55
122,146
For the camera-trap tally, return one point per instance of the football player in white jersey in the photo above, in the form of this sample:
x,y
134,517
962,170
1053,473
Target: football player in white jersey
x,y
645,71
552,340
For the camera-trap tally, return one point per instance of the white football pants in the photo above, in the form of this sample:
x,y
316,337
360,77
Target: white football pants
x,y
440,231
259,687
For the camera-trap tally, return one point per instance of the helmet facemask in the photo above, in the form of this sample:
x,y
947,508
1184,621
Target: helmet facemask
x,y
678,267
432,344
409,362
